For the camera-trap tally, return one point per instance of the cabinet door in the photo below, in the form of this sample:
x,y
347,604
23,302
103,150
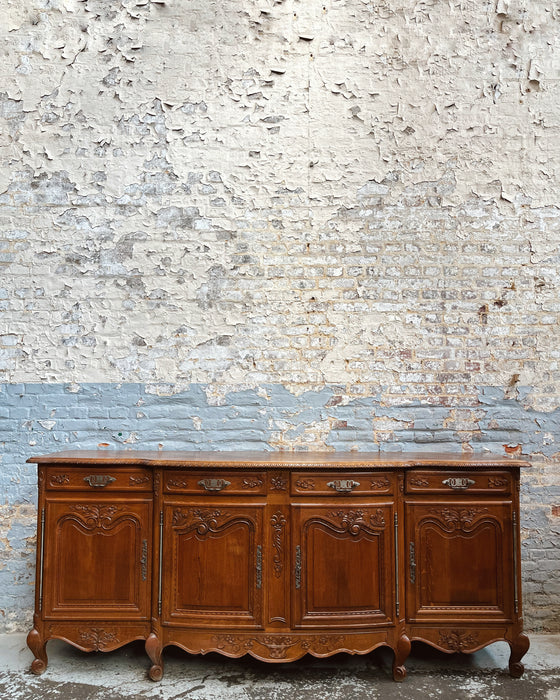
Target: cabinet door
x,y
460,561
344,565
96,558
212,562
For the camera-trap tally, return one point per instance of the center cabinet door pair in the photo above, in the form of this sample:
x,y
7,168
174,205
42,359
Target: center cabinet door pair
x,y
324,561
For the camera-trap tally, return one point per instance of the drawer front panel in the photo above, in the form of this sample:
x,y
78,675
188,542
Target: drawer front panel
x,y
98,479
457,482
215,483
342,483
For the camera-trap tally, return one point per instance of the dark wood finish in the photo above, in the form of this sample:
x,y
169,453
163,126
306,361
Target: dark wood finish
x,y
348,483
99,480
343,564
97,558
203,483
454,481
460,561
213,552
278,554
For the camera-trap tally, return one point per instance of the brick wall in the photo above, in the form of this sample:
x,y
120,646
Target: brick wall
x,y
287,225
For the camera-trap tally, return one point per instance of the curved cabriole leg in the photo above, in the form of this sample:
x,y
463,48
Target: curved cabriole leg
x,y
38,647
401,653
519,647
154,649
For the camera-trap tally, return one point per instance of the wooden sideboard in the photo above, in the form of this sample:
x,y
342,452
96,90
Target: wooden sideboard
x,y
277,554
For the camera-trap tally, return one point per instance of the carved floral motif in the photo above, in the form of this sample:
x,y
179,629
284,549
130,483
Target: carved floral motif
x,y
98,516
457,640
59,479
352,521
278,645
97,638
204,520
278,483
377,520
458,518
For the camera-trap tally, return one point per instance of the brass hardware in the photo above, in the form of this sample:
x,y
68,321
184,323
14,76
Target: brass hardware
x,y
214,484
343,485
458,482
298,567
515,564
97,481
144,560
412,562
42,556
259,566
160,557
397,602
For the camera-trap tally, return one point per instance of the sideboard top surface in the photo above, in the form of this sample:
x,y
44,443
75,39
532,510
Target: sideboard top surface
x,y
279,460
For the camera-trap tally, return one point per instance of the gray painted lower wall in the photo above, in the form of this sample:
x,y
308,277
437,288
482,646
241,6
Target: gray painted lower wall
x,y
39,418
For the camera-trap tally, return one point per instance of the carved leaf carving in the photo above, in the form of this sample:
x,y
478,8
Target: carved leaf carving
x,y
278,521
419,481
251,483
497,482
177,483
305,484
140,479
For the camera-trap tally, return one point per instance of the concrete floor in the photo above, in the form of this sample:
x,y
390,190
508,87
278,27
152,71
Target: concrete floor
x,y
122,674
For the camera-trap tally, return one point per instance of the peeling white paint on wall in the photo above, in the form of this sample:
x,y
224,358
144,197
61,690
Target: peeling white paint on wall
x,y
358,192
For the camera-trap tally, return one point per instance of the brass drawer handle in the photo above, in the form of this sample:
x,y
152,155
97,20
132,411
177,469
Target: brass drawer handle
x,y
459,483
214,484
99,481
343,485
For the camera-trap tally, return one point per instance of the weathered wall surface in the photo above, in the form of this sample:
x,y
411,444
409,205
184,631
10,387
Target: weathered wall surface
x,y
280,224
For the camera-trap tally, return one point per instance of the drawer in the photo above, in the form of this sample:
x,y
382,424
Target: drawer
x,y
214,483
341,483
457,482
98,479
